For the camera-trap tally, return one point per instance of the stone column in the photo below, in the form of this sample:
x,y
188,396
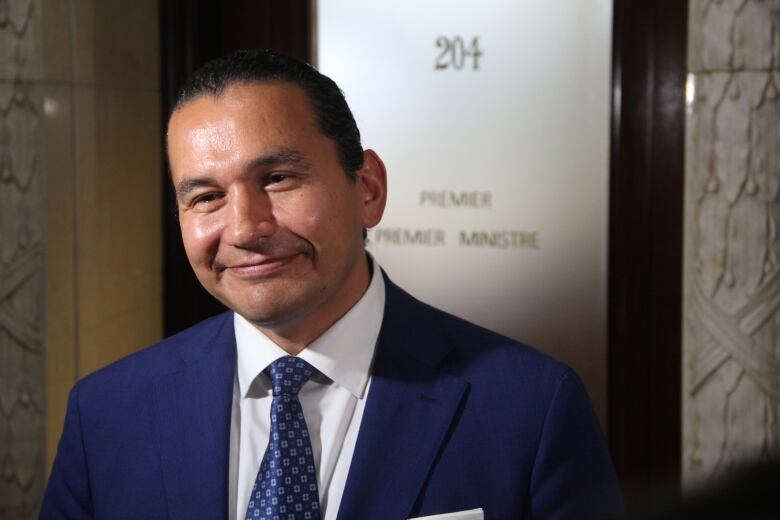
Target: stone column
x,y
80,219
731,380
21,267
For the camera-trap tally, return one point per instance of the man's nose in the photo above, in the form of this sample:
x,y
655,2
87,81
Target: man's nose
x,y
250,217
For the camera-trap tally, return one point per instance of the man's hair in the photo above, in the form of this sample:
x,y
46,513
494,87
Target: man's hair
x,y
332,114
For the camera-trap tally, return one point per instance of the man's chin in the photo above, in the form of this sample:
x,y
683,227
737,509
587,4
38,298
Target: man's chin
x,y
266,302
275,319
262,320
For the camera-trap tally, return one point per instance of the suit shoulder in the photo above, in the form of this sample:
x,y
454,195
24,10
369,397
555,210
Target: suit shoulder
x,y
157,359
479,351
484,350
469,337
502,371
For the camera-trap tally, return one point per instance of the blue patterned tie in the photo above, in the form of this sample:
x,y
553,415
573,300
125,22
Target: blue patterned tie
x,y
286,485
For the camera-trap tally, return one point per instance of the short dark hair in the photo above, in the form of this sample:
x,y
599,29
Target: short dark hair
x,y
332,114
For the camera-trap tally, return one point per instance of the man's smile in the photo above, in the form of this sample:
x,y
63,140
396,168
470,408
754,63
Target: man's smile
x,y
258,268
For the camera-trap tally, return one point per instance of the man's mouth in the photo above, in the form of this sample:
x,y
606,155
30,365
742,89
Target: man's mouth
x,y
259,268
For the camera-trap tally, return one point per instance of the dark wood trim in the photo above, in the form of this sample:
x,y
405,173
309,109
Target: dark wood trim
x,y
314,50
645,253
282,26
188,41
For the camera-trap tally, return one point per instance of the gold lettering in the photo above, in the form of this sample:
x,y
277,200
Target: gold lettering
x,y
500,239
456,199
403,236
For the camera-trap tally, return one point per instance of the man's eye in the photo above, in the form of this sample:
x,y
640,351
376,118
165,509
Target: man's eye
x,y
276,178
205,199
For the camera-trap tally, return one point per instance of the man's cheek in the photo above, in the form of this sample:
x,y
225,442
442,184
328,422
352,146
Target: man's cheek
x,y
314,221
305,221
201,238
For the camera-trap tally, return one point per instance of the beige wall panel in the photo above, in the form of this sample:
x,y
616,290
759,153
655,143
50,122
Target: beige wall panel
x,y
56,53
83,22
126,47
57,165
119,222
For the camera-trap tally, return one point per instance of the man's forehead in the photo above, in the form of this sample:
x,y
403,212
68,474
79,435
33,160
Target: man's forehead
x,y
244,111
244,107
241,122
263,95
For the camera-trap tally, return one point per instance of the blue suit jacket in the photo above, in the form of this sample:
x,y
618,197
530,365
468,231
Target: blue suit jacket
x,y
457,418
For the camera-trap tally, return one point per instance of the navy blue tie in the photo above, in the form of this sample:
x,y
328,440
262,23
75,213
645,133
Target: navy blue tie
x,y
286,485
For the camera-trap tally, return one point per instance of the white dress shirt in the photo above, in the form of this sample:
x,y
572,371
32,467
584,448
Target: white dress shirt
x,y
332,401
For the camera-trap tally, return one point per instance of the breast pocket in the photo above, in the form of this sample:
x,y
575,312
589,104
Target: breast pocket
x,y
471,514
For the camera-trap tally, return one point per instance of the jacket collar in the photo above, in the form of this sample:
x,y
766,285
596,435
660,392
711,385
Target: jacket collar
x,y
411,402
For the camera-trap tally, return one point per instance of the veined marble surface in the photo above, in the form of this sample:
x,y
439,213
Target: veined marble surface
x,y
731,379
21,268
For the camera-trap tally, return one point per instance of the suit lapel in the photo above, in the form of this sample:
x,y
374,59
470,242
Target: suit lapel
x,y
410,407
194,406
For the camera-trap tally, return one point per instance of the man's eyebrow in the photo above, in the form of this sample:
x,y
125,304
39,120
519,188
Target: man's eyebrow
x,y
283,157
188,185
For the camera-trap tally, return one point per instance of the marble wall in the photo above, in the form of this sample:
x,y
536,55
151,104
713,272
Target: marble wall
x,y
731,379
22,368
80,240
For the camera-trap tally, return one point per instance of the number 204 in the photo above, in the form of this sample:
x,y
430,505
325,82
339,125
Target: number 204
x,y
454,53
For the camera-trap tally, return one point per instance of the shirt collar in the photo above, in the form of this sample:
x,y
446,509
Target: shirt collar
x,y
343,353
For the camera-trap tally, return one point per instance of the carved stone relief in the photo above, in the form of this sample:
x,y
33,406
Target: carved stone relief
x,y
731,380
21,271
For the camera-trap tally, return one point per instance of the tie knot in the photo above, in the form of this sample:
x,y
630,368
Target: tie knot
x,y
288,374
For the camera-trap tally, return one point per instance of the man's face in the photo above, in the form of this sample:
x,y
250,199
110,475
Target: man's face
x,y
270,222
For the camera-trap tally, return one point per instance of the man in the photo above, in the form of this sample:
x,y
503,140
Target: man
x,y
327,392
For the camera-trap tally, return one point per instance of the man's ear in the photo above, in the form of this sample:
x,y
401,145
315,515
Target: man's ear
x,y
372,183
